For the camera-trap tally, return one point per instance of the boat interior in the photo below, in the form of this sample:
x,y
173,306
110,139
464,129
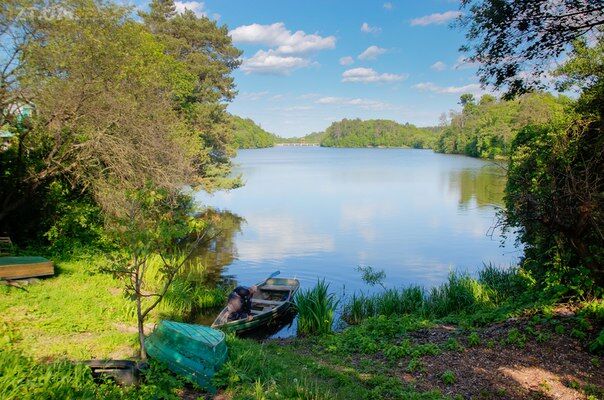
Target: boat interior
x,y
272,293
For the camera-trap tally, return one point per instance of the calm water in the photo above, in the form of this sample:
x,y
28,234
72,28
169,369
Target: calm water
x,y
320,212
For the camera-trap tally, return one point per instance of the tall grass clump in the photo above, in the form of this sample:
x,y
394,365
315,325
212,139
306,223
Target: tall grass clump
x,y
388,303
316,308
504,283
460,294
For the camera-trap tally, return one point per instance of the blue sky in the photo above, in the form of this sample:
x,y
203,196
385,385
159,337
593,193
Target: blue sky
x,y
309,63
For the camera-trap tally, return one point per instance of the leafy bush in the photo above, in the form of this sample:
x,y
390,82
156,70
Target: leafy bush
x,y
316,308
553,197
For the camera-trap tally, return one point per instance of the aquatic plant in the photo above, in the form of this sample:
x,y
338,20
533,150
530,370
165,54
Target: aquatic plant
x,y
316,308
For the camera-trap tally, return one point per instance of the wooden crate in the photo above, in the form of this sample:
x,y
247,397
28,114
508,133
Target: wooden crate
x,y
25,267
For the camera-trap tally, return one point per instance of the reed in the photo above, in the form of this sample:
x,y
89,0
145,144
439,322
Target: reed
x,y
316,307
460,294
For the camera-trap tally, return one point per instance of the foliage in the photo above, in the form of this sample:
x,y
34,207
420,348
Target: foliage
x,y
515,41
316,308
448,377
553,197
116,105
583,71
311,138
487,128
390,302
248,135
376,133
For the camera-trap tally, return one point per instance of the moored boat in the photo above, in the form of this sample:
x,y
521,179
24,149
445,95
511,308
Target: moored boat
x,y
272,301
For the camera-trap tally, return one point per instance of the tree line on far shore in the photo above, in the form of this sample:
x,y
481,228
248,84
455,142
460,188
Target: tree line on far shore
x,y
483,128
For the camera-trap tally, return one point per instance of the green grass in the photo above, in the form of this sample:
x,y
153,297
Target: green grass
x,y
82,314
316,307
448,377
22,378
460,296
390,302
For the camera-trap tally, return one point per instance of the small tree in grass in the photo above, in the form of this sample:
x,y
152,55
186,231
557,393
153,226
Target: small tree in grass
x,y
156,230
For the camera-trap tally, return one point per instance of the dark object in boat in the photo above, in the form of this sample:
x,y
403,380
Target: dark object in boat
x,y
271,302
124,372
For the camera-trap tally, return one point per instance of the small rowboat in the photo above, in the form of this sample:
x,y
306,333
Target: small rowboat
x,y
193,351
273,301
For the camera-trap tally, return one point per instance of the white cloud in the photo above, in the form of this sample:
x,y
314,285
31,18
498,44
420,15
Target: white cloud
x,y
439,66
436,18
270,62
366,28
463,63
369,75
254,95
195,6
388,6
371,53
277,35
473,88
346,60
366,104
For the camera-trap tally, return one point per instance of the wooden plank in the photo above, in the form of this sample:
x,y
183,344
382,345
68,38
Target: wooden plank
x,y
271,302
276,288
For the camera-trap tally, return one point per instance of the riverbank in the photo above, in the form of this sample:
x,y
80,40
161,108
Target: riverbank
x,y
534,350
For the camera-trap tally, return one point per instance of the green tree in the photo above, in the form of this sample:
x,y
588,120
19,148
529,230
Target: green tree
x,y
487,128
376,133
157,234
515,41
114,107
248,135
555,183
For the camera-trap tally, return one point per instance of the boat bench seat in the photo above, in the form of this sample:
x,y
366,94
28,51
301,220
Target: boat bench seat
x,y
278,288
262,301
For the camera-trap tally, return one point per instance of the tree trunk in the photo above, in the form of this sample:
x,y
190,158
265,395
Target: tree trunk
x,y
141,328
139,310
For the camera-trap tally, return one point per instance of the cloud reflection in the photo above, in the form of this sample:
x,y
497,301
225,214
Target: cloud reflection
x,y
270,237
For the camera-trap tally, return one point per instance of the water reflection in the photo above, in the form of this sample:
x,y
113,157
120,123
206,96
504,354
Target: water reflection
x,y
481,187
213,255
315,212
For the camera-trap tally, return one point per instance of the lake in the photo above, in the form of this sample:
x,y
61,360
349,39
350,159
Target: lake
x,y
316,213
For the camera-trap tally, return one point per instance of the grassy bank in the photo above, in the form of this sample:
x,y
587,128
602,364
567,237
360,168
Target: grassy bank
x,y
492,337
